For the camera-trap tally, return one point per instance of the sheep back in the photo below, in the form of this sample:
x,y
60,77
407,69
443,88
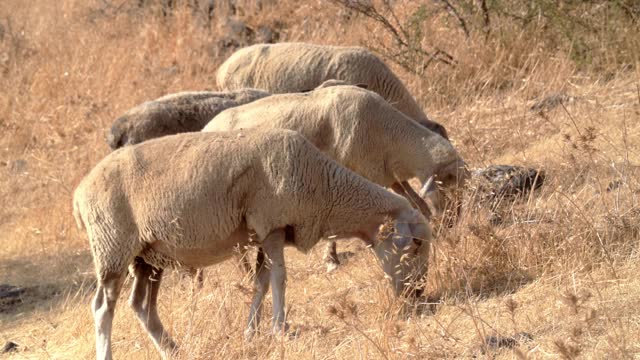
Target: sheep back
x,y
297,67
190,193
354,126
175,113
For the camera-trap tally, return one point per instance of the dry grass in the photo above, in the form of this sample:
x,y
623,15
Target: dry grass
x,y
562,267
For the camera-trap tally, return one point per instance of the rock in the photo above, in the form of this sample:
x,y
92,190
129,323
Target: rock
x,y
10,346
614,185
10,291
521,182
495,342
506,181
237,34
551,102
224,46
9,296
266,35
497,185
237,28
18,166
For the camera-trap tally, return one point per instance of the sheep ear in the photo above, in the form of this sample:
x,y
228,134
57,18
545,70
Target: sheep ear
x,y
429,187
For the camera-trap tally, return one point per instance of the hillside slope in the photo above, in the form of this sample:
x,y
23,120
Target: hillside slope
x,y
560,267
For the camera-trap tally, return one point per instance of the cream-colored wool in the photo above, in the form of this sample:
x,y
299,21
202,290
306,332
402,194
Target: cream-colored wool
x,y
190,199
178,113
356,127
297,67
175,113
183,196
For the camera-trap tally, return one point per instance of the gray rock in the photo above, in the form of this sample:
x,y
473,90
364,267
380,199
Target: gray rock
x,y
508,181
18,166
551,102
10,346
265,34
495,342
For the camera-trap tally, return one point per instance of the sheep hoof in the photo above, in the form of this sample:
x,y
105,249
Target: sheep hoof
x,y
287,333
171,350
331,266
293,334
249,333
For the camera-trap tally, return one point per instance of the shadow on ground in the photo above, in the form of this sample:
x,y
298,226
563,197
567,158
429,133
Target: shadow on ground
x,y
483,286
43,282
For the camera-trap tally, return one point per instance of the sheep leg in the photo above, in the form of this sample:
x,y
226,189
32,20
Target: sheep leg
x,y
403,188
104,304
144,299
273,247
261,288
331,256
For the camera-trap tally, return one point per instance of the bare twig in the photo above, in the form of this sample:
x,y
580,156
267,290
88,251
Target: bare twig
x,y
453,11
486,19
409,53
389,9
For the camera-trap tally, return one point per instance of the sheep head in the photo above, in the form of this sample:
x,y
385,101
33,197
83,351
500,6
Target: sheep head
x,y
450,178
403,249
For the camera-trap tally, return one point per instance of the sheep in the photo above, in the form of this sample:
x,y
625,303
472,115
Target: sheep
x,y
360,130
182,112
178,113
175,113
189,199
296,67
186,111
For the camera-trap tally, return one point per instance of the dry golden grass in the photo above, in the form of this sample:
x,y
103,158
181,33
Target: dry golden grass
x,y
562,267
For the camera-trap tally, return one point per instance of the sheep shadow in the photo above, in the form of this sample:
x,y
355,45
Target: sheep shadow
x,y
44,283
484,287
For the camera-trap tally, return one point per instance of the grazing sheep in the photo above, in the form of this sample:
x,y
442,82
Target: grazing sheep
x,y
175,113
360,130
189,199
298,67
178,113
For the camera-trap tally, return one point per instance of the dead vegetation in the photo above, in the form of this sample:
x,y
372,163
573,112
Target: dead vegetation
x,y
528,85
